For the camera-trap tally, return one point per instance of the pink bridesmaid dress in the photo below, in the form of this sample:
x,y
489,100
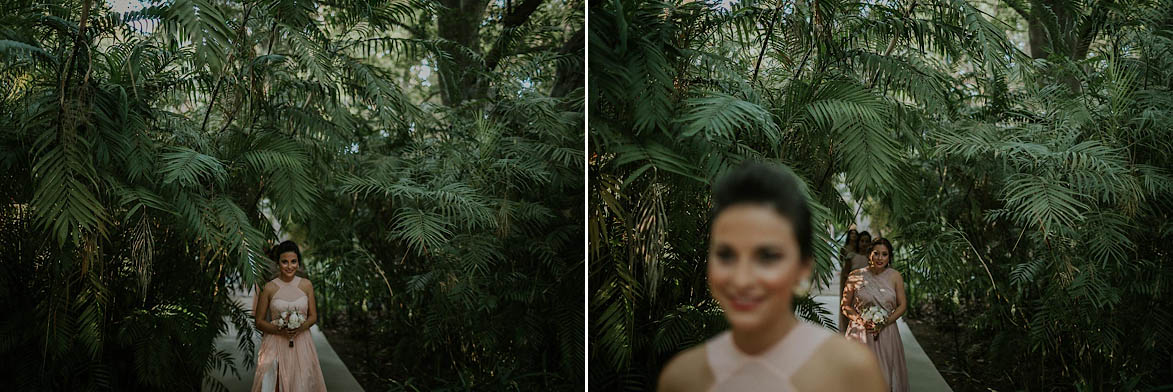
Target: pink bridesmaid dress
x,y
734,370
851,261
878,290
283,368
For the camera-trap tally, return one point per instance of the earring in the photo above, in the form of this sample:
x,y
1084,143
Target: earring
x,y
802,288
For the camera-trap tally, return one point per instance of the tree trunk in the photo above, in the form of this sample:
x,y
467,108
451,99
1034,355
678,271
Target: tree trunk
x,y
1038,39
462,76
460,24
569,76
1066,36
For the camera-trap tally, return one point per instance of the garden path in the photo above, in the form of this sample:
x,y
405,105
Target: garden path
x,y
922,374
337,376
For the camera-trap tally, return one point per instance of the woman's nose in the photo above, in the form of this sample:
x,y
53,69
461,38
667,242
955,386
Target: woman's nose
x,y
743,274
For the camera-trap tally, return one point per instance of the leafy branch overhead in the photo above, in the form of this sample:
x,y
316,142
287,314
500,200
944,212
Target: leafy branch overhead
x,y
154,153
1014,152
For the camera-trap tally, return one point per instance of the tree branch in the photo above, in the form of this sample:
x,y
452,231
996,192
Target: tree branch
x,y
892,44
1089,30
223,72
1019,7
67,66
570,77
765,42
514,19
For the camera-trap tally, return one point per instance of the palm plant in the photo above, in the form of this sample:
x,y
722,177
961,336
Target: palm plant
x,y
150,150
1055,206
926,111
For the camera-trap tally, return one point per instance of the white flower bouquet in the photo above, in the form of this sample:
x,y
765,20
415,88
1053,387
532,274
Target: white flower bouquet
x,y
290,321
876,315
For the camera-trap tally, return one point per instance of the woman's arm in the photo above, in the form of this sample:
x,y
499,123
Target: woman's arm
x,y
262,324
312,317
844,272
846,303
901,301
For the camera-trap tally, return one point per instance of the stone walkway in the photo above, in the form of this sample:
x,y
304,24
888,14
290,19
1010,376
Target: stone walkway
x,y
922,374
338,377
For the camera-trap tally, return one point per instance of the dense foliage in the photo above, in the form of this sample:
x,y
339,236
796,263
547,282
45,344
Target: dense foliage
x,y
1028,194
430,167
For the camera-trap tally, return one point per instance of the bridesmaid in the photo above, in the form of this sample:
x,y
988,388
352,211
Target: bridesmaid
x,y
846,254
281,365
760,252
878,285
863,249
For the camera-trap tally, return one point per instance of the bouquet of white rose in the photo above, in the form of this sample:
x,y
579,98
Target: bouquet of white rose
x,y
876,315
291,321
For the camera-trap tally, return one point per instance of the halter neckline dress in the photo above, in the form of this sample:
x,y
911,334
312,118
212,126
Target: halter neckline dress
x,y
294,369
734,370
872,289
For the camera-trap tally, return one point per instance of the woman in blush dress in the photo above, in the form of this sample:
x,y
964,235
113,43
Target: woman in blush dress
x,y
287,361
878,285
859,259
863,249
846,253
760,252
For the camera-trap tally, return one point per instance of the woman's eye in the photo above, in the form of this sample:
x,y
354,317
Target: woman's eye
x,y
725,256
769,257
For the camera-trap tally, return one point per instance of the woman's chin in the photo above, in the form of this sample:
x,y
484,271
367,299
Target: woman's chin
x,y
747,321
762,318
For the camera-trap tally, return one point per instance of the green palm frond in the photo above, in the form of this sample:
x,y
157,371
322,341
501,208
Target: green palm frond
x,y
202,23
240,237
683,328
1107,237
1043,201
1025,273
14,50
860,123
421,230
719,118
189,167
65,198
810,310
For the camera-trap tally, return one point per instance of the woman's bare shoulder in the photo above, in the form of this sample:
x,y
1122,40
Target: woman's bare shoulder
x,y
840,365
687,371
853,355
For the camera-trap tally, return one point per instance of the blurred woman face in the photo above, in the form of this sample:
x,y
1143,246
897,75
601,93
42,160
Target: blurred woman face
x,y
852,237
754,263
880,256
864,243
288,265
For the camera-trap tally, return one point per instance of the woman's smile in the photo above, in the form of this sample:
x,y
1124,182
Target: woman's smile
x,y
745,304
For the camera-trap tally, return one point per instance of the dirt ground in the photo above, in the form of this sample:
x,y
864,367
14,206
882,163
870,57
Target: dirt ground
x,y
356,361
945,352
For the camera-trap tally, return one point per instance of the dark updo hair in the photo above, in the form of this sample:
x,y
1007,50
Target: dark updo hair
x,y
759,183
847,241
284,246
891,251
860,235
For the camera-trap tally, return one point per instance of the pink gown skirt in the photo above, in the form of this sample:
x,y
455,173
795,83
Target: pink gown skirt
x,y
283,368
876,290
